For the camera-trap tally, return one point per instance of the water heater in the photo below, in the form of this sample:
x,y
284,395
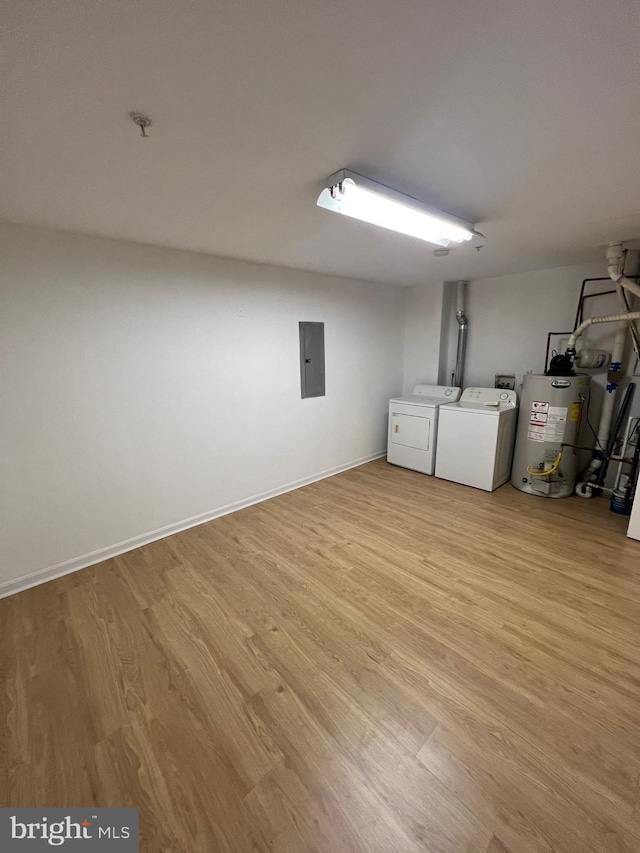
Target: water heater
x,y
552,409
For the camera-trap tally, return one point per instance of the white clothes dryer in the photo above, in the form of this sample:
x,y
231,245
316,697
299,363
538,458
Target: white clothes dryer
x,y
413,426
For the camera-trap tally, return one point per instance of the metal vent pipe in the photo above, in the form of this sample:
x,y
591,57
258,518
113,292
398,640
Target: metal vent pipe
x,y
463,325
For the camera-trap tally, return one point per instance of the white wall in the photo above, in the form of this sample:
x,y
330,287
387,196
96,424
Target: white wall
x,y
422,334
134,396
510,316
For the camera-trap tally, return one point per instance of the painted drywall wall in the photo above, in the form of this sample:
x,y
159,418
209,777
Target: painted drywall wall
x,y
144,388
510,316
423,324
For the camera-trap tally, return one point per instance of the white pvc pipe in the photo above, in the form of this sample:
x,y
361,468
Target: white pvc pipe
x,y
609,318
584,488
617,354
614,256
625,282
635,339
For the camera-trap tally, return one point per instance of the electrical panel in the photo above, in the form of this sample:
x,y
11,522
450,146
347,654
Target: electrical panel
x,y
312,360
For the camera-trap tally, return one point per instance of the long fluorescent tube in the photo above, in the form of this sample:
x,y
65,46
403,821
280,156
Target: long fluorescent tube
x,y
361,198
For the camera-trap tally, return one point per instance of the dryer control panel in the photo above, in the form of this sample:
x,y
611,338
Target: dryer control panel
x,y
490,397
438,392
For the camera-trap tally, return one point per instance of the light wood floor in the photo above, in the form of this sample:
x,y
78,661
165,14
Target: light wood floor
x,y
379,662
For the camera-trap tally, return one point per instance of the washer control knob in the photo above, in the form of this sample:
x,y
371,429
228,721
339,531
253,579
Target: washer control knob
x,y
504,396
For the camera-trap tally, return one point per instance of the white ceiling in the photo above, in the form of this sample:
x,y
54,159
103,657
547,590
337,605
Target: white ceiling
x,y
520,115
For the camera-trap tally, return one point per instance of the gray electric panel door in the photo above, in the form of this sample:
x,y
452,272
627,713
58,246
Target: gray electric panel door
x,y
312,359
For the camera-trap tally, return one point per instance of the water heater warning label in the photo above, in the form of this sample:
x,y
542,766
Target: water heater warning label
x,y
538,418
539,406
546,422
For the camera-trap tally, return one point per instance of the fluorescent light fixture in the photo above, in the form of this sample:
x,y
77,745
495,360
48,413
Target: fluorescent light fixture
x,y
359,197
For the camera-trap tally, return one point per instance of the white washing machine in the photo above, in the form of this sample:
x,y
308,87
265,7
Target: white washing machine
x,y
413,426
476,437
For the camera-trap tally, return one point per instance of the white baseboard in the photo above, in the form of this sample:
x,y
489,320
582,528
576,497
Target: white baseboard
x,y
68,566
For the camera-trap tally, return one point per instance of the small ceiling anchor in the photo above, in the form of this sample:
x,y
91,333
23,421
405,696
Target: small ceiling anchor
x,y
142,121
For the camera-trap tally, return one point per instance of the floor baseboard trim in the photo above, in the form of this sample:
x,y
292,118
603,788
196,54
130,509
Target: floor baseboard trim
x,y
77,563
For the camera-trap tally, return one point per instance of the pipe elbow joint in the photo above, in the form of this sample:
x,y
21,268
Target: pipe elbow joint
x,y
584,490
614,252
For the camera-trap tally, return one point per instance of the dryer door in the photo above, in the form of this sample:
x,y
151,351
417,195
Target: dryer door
x,y
411,431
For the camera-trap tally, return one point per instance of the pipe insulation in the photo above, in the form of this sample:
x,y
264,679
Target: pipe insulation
x,y
463,325
615,258
609,318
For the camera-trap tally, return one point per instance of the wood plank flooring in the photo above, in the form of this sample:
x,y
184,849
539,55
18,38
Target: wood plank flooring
x,y
380,662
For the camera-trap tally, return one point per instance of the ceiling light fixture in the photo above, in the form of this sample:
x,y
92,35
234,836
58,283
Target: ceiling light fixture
x,y
361,198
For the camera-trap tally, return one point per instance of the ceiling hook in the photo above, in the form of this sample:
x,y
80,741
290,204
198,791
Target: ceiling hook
x,y
142,121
